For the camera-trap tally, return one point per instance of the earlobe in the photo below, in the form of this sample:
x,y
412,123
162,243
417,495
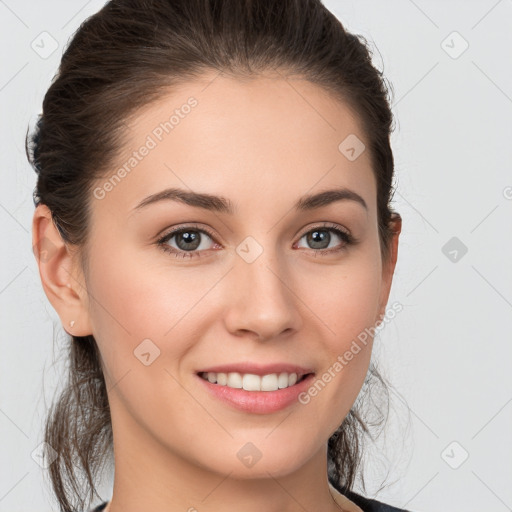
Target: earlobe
x,y
396,227
60,278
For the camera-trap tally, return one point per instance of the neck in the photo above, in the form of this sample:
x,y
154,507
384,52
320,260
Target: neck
x,y
149,475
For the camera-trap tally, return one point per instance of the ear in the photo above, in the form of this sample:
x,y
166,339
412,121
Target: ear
x,y
61,276
388,267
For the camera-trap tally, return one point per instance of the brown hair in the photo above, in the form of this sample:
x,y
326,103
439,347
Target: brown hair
x,y
124,57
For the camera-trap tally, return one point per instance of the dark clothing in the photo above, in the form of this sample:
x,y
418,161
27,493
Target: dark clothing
x,y
366,504
99,508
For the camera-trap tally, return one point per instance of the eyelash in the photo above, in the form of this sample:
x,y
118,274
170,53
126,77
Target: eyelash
x,y
347,238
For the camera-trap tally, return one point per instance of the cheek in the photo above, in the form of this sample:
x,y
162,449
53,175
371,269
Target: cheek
x,y
135,297
345,304
132,302
342,300
138,317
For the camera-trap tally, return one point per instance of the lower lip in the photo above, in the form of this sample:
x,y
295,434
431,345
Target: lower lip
x,y
258,402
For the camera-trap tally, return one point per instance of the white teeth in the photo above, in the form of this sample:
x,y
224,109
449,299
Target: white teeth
x,y
251,382
269,382
282,381
234,380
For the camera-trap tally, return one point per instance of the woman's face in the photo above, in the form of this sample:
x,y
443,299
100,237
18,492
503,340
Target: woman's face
x,y
251,280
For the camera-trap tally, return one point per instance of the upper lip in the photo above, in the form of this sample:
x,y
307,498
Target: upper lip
x,y
258,369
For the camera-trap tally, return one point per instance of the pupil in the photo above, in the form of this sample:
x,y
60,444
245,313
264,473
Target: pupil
x,y
318,237
188,237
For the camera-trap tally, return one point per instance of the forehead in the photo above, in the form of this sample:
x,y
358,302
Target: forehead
x,y
258,138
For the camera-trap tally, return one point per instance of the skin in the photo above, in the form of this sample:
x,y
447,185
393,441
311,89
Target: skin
x,y
263,144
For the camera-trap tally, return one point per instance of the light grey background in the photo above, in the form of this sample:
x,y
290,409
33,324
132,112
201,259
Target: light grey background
x,y
448,353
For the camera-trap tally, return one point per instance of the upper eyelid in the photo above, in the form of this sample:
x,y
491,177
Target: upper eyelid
x,y
325,225
174,231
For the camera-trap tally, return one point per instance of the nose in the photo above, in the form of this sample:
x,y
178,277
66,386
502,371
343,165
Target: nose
x,y
261,299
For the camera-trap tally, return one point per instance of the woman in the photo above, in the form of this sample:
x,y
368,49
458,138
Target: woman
x,y
213,228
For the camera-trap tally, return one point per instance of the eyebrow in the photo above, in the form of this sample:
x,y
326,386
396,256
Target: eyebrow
x,y
224,205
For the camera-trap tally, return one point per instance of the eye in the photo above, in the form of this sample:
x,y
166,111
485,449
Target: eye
x,y
319,238
190,241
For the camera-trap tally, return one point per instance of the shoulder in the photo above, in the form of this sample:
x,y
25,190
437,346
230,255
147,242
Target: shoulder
x,y
367,504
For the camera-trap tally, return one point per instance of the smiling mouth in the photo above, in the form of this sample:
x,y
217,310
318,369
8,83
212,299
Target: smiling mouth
x,y
252,382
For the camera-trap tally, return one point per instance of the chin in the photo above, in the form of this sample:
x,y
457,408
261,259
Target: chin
x,y
255,461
